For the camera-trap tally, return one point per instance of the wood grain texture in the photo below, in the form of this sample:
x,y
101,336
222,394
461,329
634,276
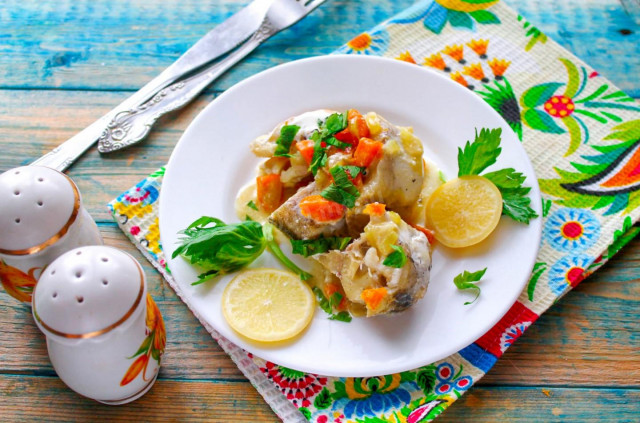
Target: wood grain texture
x,y
63,64
120,44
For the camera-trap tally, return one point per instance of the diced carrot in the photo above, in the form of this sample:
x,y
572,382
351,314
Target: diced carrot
x,y
427,232
357,124
374,209
367,151
346,136
305,147
332,288
269,193
357,181
373,297
320,209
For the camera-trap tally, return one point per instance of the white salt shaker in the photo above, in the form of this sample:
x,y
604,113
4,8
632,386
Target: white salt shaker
x,y
105,335
41,217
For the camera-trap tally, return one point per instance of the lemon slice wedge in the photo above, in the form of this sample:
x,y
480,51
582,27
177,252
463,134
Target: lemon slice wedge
x,y
464,211
268,305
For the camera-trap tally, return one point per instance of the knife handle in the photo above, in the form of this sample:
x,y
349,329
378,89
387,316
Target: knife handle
x,y
130,126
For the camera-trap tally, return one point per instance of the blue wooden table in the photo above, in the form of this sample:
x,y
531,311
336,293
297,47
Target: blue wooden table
x,y
64,63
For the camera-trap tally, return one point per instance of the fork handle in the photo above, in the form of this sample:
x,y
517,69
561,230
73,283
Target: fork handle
x,y
131,126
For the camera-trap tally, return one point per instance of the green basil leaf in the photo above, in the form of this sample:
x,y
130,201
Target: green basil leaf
x,y
397,258
287,134
309,247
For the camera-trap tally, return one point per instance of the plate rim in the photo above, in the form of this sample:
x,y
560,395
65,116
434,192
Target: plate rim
x,y
266,353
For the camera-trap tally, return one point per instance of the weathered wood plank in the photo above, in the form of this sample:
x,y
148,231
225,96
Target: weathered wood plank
x,y
103,44
239,402
169,401
498,404
588,339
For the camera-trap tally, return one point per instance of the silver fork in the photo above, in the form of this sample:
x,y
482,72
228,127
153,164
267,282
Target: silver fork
x,y
131,126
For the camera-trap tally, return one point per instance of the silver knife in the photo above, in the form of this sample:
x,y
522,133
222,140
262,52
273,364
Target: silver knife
x,y
124,126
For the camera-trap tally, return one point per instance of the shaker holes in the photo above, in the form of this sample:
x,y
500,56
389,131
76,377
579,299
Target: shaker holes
x,y
55,294
105,282
78,274
105,259
16,192
80,299
17,220
40,179
40,203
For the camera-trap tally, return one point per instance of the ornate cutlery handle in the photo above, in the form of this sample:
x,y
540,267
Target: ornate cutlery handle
x,y
130,126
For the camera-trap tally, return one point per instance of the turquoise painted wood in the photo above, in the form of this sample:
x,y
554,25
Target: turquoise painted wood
x,y
119,45
64,63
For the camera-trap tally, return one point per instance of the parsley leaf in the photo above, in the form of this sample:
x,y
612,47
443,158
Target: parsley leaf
x,y
342,190
480,154
327,305
343,316
272,245
309,247
515,203
467,280
220,248
326,129
287,134
397,258
252,205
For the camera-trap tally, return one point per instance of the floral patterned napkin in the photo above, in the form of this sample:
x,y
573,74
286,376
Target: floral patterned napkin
x,y
582,135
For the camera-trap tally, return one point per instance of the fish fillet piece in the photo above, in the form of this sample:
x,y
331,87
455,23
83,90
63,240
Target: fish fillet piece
x,y
290,220
359,267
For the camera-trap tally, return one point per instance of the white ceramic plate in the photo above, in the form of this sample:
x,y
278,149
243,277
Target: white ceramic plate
x,y
212,162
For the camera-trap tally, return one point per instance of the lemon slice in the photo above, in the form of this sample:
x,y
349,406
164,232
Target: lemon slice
x,y
464,211
268,305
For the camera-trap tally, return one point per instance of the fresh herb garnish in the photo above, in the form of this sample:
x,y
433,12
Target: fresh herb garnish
x,y
397,258
468,280
287,134
328,305
342,190
252,205
272,245
482,153
326,129
309,247
220,248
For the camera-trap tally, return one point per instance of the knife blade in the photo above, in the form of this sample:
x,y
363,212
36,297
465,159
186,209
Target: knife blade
x,y
220,40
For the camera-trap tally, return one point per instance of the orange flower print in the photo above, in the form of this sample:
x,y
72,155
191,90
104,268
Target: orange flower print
x,y
480,47
460,79
476,72
436,61
498,67
456,52
17,283
152,346
406,57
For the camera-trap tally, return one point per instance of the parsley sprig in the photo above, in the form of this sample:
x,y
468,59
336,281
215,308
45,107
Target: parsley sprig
x,y
310,247
220,248
342,190
283,143
328,304
325,134
468,280
397,258
482,153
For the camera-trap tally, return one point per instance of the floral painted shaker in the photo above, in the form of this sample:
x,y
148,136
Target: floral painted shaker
x,y
105,334
41,217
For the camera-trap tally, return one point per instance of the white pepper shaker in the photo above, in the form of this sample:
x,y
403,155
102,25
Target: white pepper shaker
x,y
105,335
41,217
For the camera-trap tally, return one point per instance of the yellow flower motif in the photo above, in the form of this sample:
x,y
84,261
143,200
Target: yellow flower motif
x,y
153,237
406,57
435,61
479,46
475,71
132,210
465,6
360,42
459,79
456,52
498,67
